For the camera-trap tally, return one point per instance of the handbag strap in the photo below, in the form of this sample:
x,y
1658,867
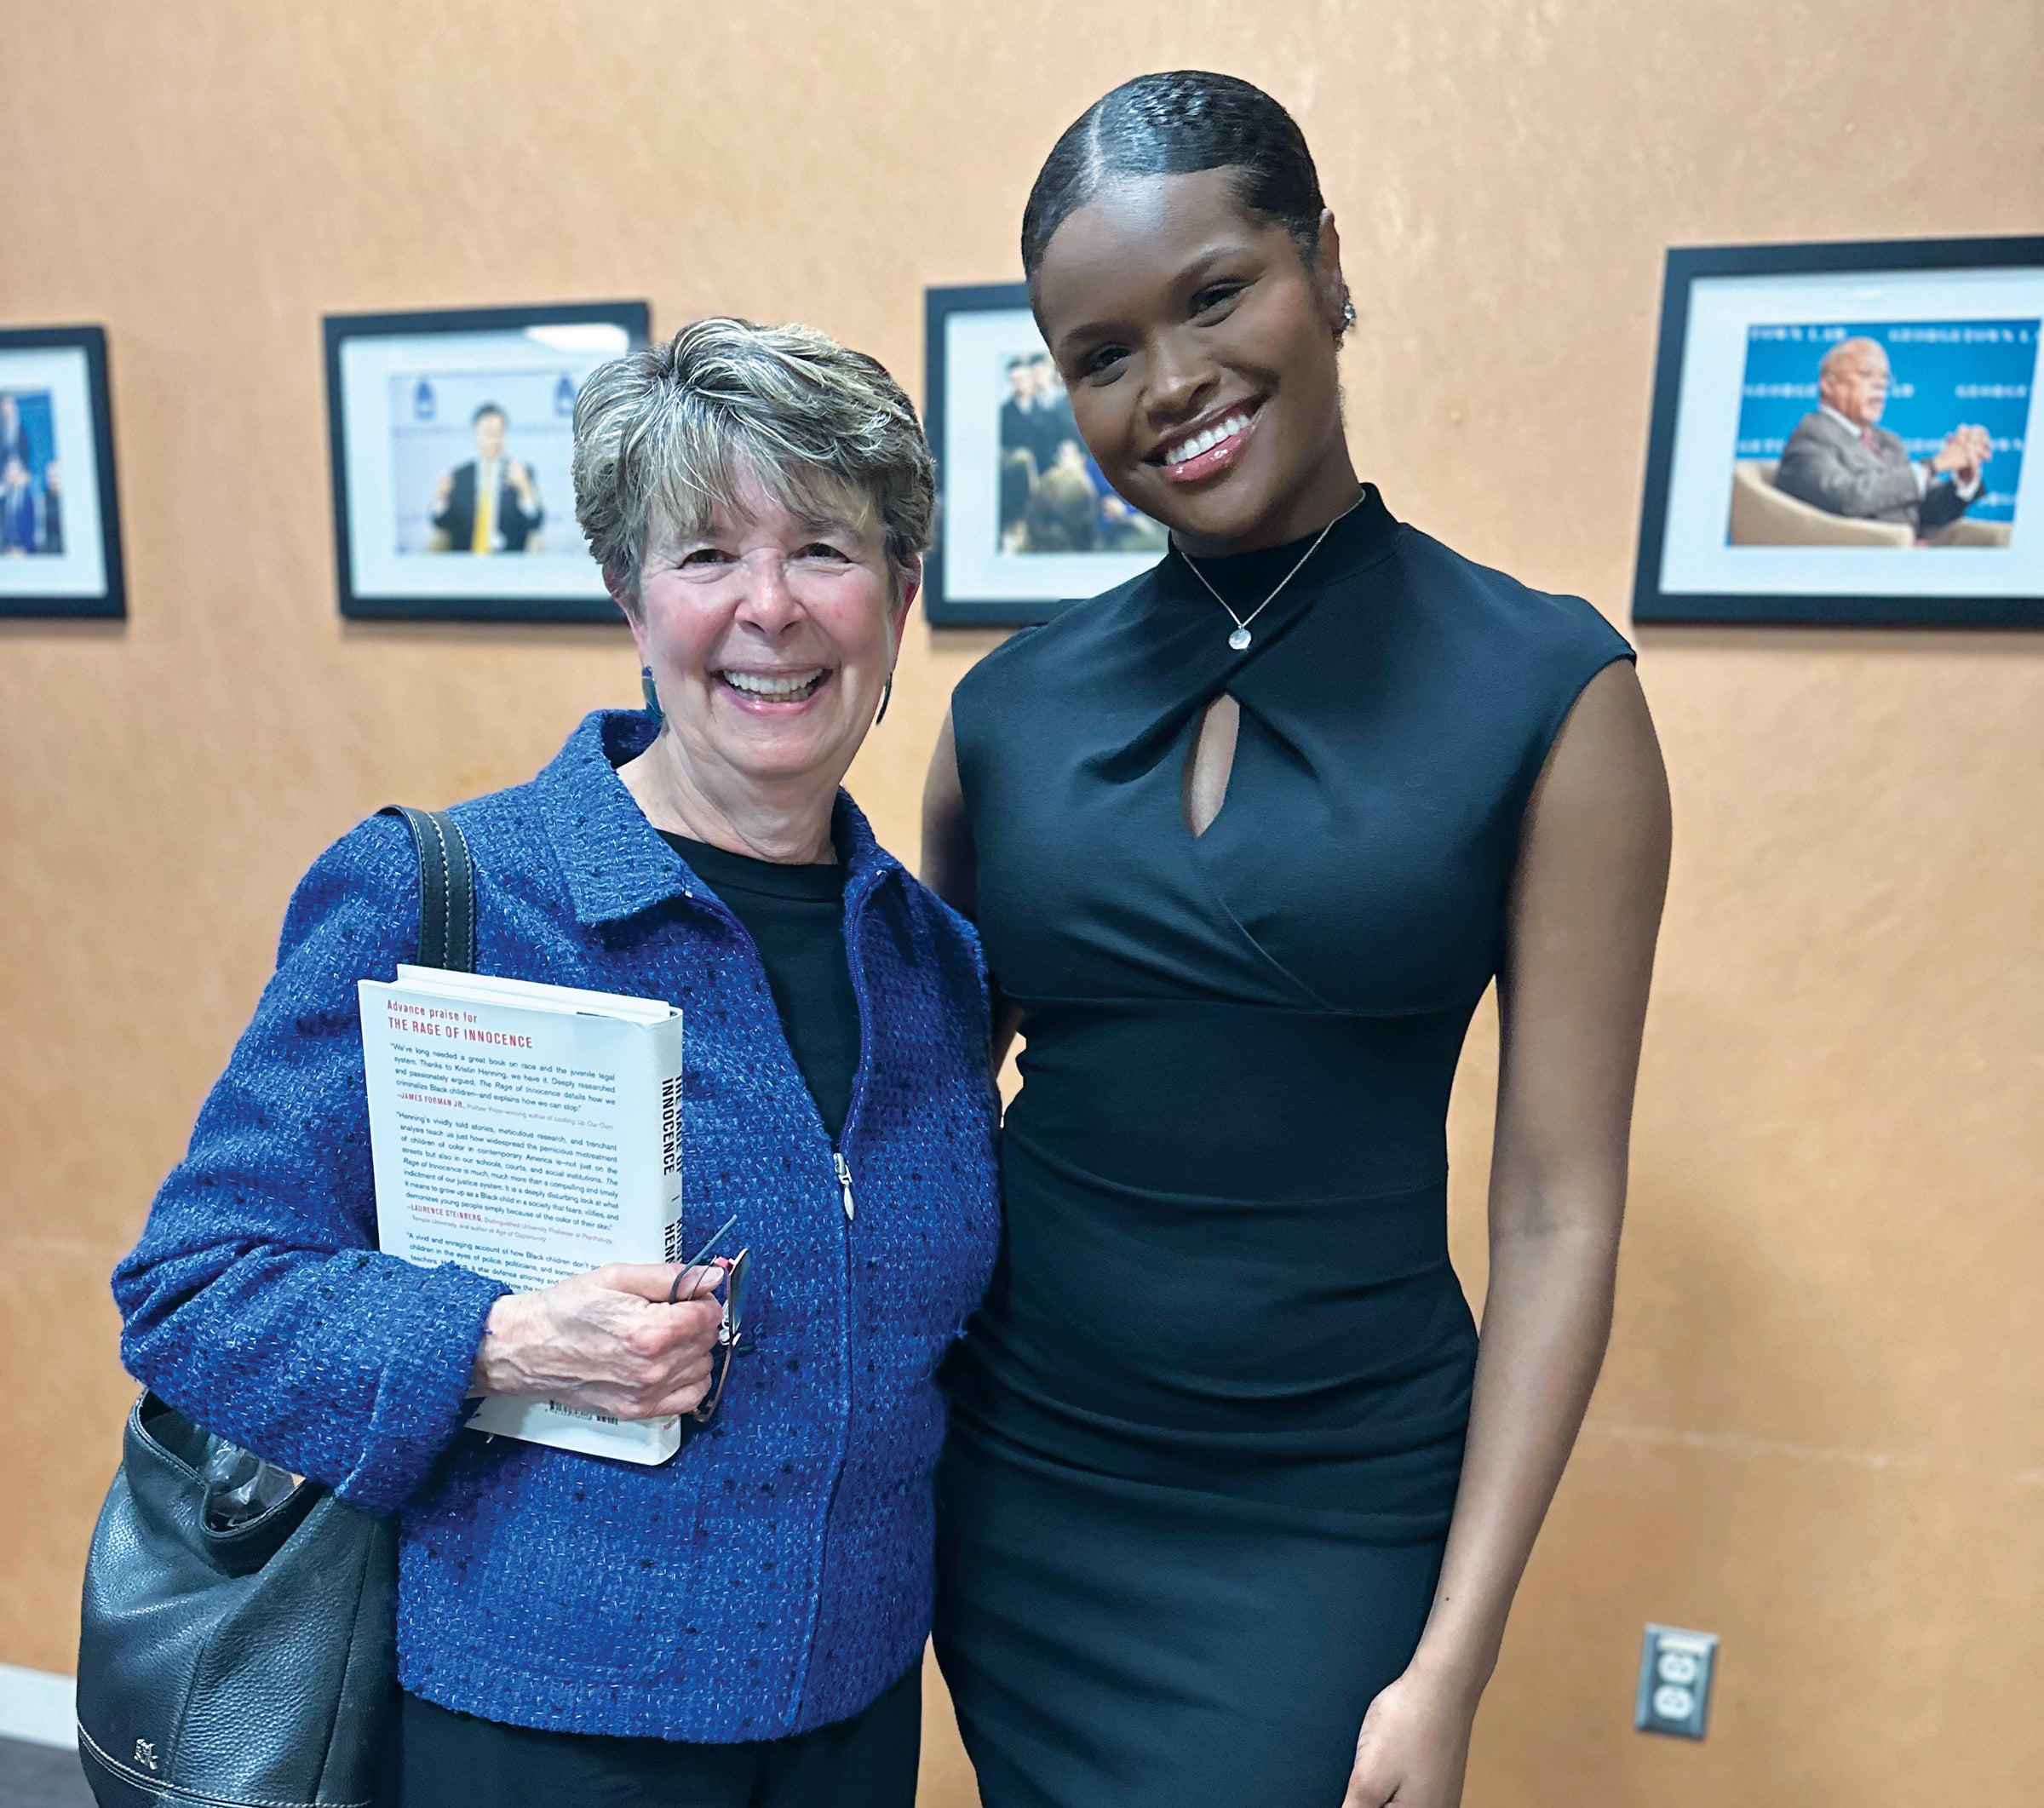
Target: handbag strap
x,y
447,887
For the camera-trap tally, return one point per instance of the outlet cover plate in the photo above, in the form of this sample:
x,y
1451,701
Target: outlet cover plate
x,y
1675,1672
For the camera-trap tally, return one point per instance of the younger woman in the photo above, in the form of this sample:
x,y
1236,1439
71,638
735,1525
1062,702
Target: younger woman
x,y
1231,1479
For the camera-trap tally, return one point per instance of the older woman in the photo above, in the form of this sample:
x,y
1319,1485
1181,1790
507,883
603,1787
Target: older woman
x,y
743,1625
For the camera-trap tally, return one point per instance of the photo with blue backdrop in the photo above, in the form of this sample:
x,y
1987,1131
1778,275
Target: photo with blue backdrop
x,y
1945,374
31,520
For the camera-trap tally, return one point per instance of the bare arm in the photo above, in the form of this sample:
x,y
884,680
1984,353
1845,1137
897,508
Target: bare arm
x,y
1585,912
950,867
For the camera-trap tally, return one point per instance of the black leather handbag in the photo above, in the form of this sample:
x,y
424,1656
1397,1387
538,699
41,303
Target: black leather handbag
x,y
237,1649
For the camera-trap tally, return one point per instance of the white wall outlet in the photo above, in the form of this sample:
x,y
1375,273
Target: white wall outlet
x,y
1675,1669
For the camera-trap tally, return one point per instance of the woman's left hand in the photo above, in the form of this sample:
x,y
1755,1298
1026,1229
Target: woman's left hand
x,y
1413,1747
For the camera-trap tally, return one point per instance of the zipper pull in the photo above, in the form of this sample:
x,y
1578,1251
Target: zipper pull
x,y
844,1182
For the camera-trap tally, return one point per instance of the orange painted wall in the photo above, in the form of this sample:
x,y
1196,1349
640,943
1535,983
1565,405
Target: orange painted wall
x,y
1818,1433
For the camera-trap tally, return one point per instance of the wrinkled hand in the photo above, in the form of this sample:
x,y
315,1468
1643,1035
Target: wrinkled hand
x,y
1413,1748
606,1342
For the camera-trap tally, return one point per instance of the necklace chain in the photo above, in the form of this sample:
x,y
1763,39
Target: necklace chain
x,y
1240,638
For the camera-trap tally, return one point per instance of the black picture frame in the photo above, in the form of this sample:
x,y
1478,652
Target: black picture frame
x,y
1834,602
60,590
968,581
509,590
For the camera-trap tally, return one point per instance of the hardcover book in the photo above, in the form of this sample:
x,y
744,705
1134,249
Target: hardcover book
x,y
530,1133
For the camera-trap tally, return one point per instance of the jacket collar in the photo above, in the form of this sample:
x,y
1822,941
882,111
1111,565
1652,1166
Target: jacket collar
x,y
614,861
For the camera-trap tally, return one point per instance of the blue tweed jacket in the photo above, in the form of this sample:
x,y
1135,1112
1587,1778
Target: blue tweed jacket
x,y
776,1575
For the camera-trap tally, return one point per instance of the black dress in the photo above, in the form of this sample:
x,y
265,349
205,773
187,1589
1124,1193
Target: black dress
x,y
1207,1429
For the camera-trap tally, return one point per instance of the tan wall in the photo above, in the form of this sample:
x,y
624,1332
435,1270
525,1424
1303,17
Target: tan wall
x,y
1818,1432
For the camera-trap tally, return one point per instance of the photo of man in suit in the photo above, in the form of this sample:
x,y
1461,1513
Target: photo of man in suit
x,y
1840,459
491,504
1019,469
13,437
52,541
21,523
32,515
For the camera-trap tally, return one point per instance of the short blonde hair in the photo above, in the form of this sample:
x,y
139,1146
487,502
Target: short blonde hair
x,y
664,436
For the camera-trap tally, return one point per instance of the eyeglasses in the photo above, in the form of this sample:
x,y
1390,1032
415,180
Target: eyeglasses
x,y
737,1272
729,1329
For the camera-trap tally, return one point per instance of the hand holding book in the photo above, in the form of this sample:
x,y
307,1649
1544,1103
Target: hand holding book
x,y
607,1342
532,1132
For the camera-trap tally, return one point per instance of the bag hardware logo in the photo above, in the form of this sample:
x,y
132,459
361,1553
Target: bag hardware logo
x,y
145,1753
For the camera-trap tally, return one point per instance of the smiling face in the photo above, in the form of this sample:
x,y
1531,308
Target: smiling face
x,y
1200,353
769,638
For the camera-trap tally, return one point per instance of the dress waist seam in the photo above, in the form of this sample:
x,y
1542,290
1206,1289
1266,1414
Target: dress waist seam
x,y
1425,1191
1275,1007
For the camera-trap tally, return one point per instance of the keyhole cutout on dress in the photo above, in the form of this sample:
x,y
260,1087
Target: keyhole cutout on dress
x,y
1210,763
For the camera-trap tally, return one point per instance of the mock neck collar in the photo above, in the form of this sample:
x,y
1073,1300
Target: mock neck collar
x,y
1353,540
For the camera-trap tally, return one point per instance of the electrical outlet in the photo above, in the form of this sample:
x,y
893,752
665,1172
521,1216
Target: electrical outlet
x,y
1675,1669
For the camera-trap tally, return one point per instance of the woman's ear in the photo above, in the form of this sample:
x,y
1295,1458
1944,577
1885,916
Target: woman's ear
x,y
908,587
621,594
1327,273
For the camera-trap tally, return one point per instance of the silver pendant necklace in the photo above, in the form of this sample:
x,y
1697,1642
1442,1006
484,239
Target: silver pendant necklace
x,y
1240,638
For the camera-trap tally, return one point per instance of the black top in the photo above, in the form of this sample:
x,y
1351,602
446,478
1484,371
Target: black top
x,y
795,916
1226,1265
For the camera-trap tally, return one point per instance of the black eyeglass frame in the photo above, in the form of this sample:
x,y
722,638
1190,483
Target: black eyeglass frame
x,y
737,1277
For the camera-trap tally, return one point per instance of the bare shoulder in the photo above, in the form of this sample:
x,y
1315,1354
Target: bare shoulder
x,y
942,793
949,865
1606,759
1594,845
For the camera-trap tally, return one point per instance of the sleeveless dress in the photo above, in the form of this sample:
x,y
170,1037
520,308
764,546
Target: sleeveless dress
x,y
1207,1428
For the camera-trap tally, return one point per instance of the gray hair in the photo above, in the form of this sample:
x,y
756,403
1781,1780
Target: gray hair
x,y
664,437
1847,349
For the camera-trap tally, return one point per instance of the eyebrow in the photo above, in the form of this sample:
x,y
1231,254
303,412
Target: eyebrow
x,y
819,525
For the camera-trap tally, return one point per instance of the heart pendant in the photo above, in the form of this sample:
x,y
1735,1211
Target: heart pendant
x,y
1239,638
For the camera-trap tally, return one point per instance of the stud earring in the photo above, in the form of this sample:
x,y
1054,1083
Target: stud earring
x,y
1348,316
652,695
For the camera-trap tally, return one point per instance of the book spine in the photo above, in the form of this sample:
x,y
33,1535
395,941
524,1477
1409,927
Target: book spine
x,y
667,1043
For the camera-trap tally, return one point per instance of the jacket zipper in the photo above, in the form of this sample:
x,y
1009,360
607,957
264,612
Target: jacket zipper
x,y
842,1168
856,908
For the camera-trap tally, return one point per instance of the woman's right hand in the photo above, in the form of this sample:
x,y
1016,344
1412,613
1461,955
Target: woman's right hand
x,y
607,1342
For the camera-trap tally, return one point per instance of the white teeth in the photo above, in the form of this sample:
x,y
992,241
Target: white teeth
x,y
777,686
1206,441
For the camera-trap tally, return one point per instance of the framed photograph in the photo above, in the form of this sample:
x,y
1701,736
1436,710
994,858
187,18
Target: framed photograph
x,y
1025,523
450,435
1840,435
59,521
